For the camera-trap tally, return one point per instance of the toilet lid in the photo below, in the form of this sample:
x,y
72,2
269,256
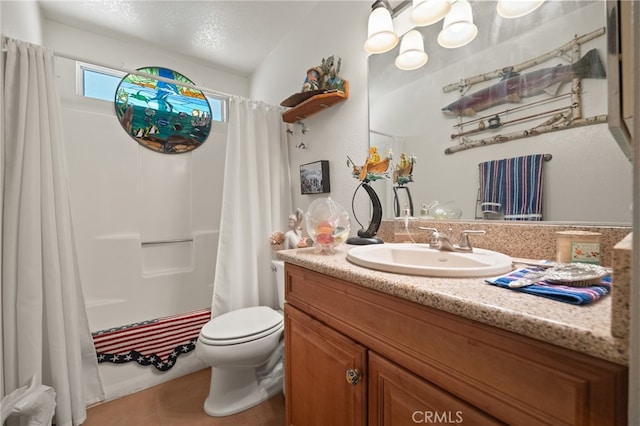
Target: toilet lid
x,y
242,324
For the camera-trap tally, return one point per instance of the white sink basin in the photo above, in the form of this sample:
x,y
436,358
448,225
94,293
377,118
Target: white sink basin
x,y
419,259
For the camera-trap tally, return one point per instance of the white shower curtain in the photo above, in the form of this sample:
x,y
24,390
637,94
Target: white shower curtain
x,y
256,201
44,324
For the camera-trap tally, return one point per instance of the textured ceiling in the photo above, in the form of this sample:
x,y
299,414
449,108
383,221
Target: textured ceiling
x,y
232,35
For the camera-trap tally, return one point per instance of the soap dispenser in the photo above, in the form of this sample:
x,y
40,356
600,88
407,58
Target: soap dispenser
x,y
402,226
424,212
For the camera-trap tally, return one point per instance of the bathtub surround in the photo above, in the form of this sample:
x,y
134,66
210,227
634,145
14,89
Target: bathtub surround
x,y
45,328
255,200
123,194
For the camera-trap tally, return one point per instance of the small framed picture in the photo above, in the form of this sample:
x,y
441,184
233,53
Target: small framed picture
x,y
314,178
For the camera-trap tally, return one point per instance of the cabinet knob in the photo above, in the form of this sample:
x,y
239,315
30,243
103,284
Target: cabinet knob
x,y
353,376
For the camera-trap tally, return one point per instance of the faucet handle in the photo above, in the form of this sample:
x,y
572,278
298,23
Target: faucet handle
x,y
464,237
425,228
434,232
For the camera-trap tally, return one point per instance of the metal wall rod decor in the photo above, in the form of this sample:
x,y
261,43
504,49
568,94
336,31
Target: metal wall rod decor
x,y
499,73
561,118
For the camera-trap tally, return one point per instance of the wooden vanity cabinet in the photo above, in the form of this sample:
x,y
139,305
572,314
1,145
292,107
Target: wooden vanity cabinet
x,y
416,364
318,380
399,398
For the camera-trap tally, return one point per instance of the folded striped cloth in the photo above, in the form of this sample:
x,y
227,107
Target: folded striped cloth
x,y
560,293
158,342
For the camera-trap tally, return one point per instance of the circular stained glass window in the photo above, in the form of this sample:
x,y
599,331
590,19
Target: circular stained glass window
x,y
163,116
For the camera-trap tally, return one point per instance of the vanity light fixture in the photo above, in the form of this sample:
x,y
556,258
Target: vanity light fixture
x,y
427,12
381,37
458,28
412,55
517,8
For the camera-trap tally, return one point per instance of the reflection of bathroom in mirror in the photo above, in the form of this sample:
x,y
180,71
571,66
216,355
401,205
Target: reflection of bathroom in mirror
x,y
588,179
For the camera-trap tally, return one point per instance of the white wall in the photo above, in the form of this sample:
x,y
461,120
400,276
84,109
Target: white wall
x,y
22,20
333,28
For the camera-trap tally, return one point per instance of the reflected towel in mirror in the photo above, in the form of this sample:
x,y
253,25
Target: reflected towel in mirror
x,y
515,184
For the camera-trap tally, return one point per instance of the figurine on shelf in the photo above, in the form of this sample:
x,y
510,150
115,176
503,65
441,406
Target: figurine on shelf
x,y
329,72
293,237
319,80
312,82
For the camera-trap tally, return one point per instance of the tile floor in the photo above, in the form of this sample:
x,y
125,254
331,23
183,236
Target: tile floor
x,y
179,403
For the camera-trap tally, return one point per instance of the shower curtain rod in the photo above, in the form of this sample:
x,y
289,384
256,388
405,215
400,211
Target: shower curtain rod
x,y
143,74
129,71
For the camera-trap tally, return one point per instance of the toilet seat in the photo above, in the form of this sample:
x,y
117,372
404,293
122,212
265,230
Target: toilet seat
x,y
240,326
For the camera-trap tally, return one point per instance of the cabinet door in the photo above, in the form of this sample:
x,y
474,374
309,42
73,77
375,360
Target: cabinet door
x,y
317,363
398,398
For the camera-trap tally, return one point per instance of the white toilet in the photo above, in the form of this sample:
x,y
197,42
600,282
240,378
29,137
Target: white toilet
x,y
244,349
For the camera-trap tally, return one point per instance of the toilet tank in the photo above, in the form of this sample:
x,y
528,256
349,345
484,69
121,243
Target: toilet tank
x,y
277,266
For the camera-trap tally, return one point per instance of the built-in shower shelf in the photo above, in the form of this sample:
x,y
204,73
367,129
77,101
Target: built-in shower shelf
x,y
315,104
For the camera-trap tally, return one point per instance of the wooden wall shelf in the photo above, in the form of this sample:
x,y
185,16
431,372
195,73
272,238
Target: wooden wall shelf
x,y
315,104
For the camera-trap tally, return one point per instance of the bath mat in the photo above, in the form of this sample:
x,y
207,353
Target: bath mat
x,y
560,293
157,342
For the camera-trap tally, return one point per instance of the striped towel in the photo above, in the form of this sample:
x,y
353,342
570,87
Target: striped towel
x,y
156,342
515,183
560,293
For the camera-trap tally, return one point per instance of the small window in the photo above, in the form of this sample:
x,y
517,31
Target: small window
x,y
98,82
101,83
219,106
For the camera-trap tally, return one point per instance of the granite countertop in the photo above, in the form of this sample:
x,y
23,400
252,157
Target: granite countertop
x,y
585,329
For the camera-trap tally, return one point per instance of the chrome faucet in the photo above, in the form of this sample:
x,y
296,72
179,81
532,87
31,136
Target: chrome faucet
x,y
441,241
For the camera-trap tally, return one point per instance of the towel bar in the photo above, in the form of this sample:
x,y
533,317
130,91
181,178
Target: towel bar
x,y
150,243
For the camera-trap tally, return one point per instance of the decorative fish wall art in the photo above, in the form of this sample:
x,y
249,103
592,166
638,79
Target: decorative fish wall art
x,y
516,85
165,117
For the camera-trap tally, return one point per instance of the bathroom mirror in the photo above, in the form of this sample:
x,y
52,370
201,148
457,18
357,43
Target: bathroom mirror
x,y
620,70
588,178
